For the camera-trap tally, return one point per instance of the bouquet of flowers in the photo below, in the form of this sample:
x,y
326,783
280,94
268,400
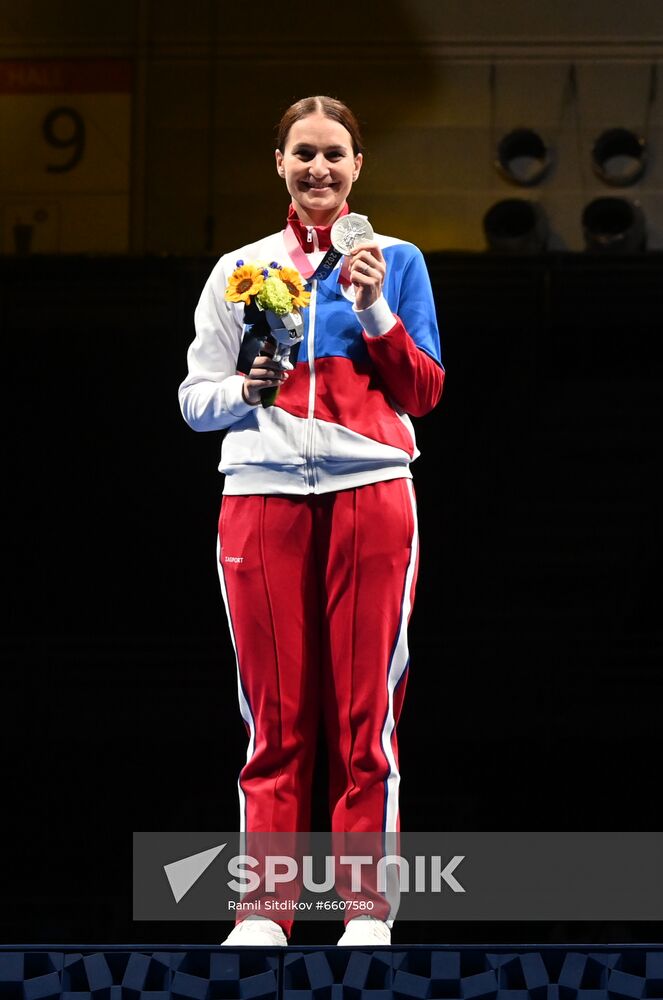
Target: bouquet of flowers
x,y
278,294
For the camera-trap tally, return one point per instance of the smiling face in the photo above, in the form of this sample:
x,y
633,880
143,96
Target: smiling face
x,y
319,167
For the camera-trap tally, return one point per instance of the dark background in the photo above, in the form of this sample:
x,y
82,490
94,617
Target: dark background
x,y
534,696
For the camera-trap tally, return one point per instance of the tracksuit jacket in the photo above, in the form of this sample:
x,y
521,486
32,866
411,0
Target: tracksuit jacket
x,y
341,419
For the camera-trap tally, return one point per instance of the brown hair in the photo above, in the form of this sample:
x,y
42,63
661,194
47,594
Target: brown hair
x,y
330,108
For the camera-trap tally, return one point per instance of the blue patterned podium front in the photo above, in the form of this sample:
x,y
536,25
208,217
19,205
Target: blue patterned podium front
x,y
416,972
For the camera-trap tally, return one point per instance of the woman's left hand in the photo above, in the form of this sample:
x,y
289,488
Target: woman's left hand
x,y
367,271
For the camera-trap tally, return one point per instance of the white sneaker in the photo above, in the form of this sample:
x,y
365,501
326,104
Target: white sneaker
x,y
255,931
365,931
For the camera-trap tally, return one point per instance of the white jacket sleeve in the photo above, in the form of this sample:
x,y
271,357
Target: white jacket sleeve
x,y
211,394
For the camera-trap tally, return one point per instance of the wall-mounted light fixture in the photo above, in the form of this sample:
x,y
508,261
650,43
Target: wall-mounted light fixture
x,y
516,225
619,157
522,157
614,225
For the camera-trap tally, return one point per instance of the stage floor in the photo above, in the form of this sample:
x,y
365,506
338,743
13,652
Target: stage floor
x,y
447,972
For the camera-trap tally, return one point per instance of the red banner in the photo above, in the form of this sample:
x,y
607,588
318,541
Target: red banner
x,y
67,76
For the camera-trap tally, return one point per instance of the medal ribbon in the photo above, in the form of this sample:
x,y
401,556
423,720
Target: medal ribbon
x,y
301,260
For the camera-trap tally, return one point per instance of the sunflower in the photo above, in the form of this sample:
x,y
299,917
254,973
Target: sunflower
x,y
244,282
293,282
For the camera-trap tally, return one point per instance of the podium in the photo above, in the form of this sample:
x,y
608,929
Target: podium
x,y
415,972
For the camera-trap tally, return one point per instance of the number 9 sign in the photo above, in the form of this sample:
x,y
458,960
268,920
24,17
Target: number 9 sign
x,y
69,121
69,159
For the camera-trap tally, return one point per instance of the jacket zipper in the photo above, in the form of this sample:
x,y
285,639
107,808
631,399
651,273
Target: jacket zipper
x,y
312,237
310,427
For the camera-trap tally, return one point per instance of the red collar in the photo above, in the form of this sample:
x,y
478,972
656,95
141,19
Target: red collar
x,y
303,232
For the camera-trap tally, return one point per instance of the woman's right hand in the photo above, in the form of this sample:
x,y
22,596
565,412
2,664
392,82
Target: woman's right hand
x,y
265,374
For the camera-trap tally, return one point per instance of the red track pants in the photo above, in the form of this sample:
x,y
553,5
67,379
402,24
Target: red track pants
x,y
318,591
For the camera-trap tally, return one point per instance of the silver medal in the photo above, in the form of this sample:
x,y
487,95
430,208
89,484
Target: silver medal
x,y
350,231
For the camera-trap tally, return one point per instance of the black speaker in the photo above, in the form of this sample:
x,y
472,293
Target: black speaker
x,y
516,225
614,225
